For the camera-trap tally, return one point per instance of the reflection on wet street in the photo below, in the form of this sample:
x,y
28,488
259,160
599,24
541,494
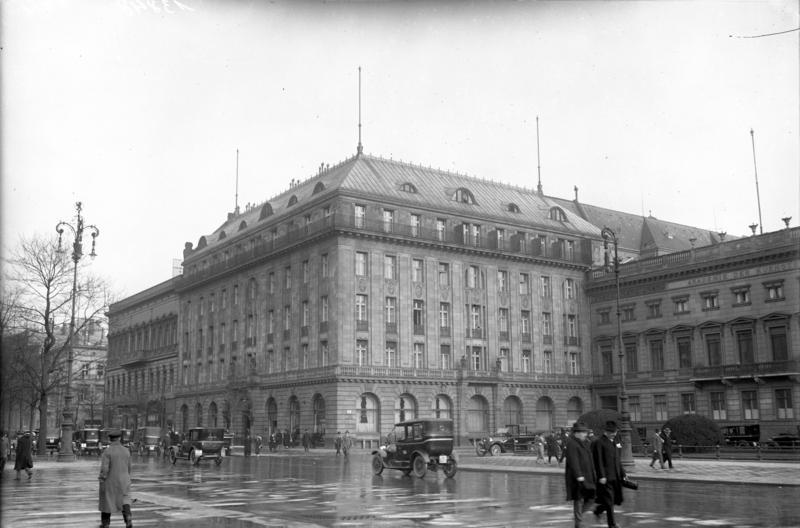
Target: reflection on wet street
x,y
292,489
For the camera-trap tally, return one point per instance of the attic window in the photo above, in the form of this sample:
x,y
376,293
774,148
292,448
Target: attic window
x,y
409,188
513,208
556,213
292,200
202,243
319,187
266,210
222,235
464,196
242,225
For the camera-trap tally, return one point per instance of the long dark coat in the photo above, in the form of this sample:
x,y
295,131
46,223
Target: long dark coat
x,y
607,464
23,456
115,478
579,464
668,440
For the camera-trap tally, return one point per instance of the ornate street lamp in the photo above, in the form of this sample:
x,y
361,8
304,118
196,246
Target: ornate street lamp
x,y
77,252
625,426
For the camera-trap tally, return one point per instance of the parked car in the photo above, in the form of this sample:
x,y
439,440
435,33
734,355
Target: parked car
x,y
784,440
508,439
148,440
417,446
741,435
200,443
87,441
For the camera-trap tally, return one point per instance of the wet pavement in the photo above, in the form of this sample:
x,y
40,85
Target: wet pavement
x,y
292,489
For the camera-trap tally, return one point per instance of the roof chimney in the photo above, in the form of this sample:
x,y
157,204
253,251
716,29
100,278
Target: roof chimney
x,y
576,193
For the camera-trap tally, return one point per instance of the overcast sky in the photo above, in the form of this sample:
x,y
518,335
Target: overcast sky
x,y
136,108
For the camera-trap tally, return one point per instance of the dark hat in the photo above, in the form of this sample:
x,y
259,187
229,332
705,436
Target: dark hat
x,y
114,433
579,427
611,426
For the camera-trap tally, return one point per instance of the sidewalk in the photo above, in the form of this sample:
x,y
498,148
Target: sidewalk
x,y
729,471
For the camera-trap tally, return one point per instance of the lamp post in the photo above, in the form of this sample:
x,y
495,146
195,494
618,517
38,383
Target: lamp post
x,y
77,252
625,427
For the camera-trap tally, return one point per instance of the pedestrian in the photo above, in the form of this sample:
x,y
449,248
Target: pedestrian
x,y
346,443
667,451
115,481
552,447
658,447
337,443
259,443
562,442
5,450
287,439
23,457
609,472
539,443
579,472
306,440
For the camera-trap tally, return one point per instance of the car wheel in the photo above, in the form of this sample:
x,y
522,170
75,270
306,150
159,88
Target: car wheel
x,y
193,458
218,460
496,449
377,465
450,468
419,466
173,456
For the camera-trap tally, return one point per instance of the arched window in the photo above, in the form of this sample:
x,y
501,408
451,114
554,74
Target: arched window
x,y
463,195
442,407
202,243
318,407
368,412
272,416
266,211
294,414
545,411
242,225
513,208
212,415
198,413
292,200
477,414
512,411
408,187
574,409
557,214
222,235
319,187
405,408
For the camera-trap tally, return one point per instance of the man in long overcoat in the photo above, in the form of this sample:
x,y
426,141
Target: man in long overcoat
x,y
668,441
579,472
658,446
609,472
23,457
115,481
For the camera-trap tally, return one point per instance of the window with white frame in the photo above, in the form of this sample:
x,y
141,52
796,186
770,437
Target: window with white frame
x,y
389,267
546,287
417,270
525,322
573,364
710,300
444,274
287,317
391,310
306,316
360,214
502,280
323,264
271,322
526,361
445,356
416,222
718,408
681,304
774,290
741,295
660,407
391,354
783,404
362,353
687,403
361,264
444,315
441,229
547,362
287,273
524,283
750,405
418,356
569,288
388,221
547,324
323,309
306,272
271,283
361,307
505,360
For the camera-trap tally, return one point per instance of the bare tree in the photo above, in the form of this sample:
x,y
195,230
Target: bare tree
x,y
44,278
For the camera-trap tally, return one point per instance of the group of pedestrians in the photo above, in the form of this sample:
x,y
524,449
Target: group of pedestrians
x,y
594,472
343,443
662,447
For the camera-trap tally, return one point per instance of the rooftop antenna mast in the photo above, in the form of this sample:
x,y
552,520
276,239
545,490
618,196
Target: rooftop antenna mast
x,y
360,149
236,202
538,159
755,171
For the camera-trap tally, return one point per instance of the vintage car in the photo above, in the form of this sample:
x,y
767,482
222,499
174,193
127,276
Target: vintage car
x,y
200,443
417,446
148,440
53,444
87,441
508,439
784,440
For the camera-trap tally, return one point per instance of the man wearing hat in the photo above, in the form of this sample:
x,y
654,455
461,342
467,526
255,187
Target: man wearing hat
x,y
115,481
609,472
580,476
667,449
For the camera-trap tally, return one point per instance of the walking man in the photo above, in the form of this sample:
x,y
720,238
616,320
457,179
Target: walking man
x,y
23,455
609,472
658,446
337,443
5,450
115,481
667,452
579,472
346,443
306,440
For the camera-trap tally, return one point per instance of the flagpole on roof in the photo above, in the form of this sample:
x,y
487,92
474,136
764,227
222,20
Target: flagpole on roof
x,y
538,160
360,148
755,171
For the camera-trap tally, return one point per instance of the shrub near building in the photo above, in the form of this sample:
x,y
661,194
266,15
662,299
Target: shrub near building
x,y
694,432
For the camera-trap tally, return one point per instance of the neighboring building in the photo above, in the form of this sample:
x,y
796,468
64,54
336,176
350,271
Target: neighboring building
x,y
142,358
712,330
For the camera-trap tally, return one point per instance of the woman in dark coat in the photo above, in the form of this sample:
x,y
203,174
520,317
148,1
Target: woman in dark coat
x,y
579,472
23,455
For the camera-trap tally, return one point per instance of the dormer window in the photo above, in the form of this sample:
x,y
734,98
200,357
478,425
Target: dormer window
x,y
557,214
242,225
319,187
409,188
464,196
292,200
222,235
513,208
266,210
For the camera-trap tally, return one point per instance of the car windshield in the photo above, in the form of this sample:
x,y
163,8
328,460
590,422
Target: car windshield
x,y
91,434
208,434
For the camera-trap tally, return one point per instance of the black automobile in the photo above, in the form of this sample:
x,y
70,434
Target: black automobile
x,y
417,446
784,441
200,443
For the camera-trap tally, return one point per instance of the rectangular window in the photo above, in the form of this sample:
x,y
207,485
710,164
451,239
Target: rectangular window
x,y
361,307
391,354
714,349
306,223
304,356
391,312
287,318
657,355
525,323
526,361
362,353
211,303
235,294
200,307
573,364
718,408
524,284
234,334
271,283
501,238
547,324
744,341
710,301
570,250
389,267
635,407
286,359
441,229
417,270
360,214
572,328
287,274
653,309
607,360
547,362
681,305
687,403
629,313
631,357
660,407
445,357
502,280
503,323
323,354
224,299
547,289
444,315
416,222
306,272
750,405
323,309
783,404
418,356
777,341
476,235
361,264
741,295
476,358
418,317
444,274
271,322
306,315
324,265
388,221
504,360
605,316
684,352
475,320
774,290
569,288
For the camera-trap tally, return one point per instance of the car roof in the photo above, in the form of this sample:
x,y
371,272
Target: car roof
x,y
426,420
